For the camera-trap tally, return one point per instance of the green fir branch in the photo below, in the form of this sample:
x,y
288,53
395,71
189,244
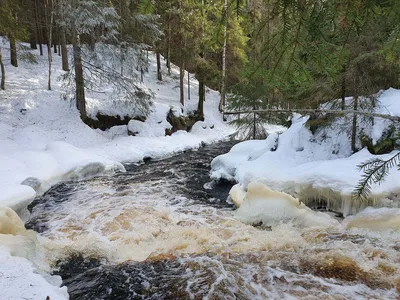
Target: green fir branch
x,y
375,171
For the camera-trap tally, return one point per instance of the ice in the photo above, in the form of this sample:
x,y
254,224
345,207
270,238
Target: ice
x,y
237,194
22,263
269,207
376,219
10,223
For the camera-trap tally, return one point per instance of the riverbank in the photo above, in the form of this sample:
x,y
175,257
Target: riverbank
x,y
319,168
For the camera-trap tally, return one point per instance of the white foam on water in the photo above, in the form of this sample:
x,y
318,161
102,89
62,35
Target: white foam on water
x,y
138,221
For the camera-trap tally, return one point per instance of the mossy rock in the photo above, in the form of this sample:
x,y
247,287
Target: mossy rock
x,y
316,122
182,122
104,122
386,144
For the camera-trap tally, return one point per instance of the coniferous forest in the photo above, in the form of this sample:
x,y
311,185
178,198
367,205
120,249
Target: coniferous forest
x,y
199,149
259,54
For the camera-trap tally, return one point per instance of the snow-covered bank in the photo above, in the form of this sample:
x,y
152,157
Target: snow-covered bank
x,y
310,167
44,141
23,268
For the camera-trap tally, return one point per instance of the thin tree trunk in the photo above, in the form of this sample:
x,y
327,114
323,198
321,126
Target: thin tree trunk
x,y
33,30
147,61
202,90
38,29
55,39
159,75
64,51
181,86
49,9
3,73
223,79
79,80
13,48
202,96
254,122
188,80
33,38
354,126
343,89
169,50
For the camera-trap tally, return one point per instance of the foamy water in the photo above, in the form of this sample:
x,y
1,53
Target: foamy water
x,y
159,214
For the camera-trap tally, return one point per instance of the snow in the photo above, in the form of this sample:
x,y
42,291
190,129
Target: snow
x,y
311,167
43,141
23,269
42,136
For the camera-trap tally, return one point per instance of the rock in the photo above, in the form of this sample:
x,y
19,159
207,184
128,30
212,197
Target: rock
x,y
135,127
104,122
182,122
33,182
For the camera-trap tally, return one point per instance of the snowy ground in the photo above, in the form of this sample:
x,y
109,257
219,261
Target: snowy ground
x,y
43,141
318,167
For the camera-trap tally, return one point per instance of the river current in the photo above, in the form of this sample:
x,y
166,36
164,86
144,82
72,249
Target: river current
x,y
163,230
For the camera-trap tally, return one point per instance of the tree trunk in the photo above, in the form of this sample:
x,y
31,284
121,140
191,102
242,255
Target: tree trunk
x,y
39,29
55,39
169,50
33,38
343,89
33,31
64,51
79,80
188,80
181,86
49,9
254,122
354,126
202,97
223,79
3,73
159,75
13,49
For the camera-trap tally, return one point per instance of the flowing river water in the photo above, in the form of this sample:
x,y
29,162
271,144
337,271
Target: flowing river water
x,y
162,230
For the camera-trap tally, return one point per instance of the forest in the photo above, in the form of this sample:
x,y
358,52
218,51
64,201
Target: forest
x,y
199,149
259,54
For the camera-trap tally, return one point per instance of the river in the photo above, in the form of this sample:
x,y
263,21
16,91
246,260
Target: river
x,y
162,230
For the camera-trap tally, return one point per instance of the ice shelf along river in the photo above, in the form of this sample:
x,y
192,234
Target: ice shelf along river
x,y
163,230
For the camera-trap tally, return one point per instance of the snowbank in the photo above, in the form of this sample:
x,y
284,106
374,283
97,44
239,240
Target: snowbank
x,y
25,172
317,169
23,269
266,207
